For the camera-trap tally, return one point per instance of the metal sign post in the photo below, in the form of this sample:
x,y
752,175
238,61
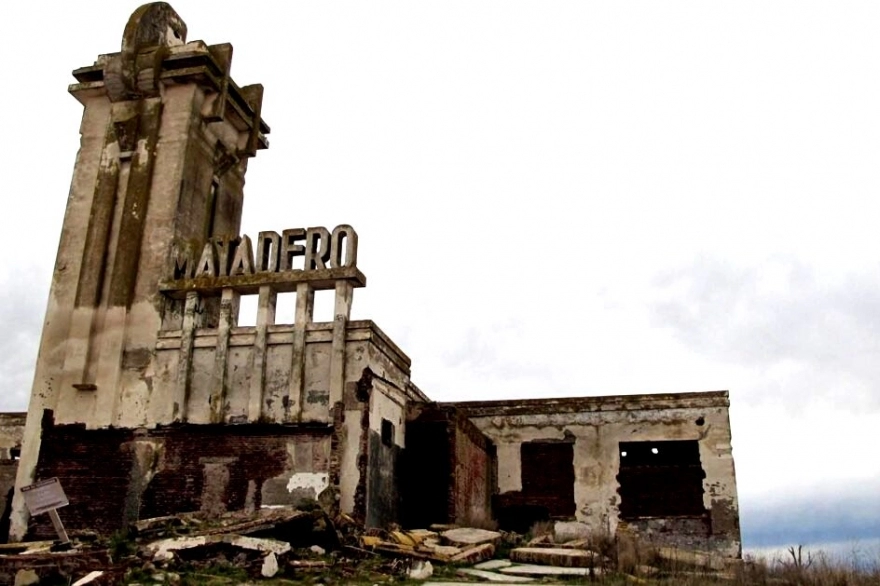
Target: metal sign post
x,y
46,496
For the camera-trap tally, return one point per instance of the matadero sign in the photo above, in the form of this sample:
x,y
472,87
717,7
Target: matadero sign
x,y
315,255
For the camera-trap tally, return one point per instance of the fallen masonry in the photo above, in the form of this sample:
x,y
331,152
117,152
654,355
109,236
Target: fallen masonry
x,y
300,545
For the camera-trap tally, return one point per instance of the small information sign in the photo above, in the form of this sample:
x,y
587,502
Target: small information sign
x,y
44,496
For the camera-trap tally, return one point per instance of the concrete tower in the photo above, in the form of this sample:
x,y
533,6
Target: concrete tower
x,y
166,137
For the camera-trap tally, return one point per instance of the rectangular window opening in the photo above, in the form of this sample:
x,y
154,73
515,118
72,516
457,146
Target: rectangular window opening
x,y
387,433
325,305
285,308
247,310
660,479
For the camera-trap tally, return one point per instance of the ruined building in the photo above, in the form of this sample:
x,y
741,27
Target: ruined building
x,y
149,399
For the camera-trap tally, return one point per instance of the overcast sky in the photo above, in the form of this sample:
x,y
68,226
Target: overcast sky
x,y
553,199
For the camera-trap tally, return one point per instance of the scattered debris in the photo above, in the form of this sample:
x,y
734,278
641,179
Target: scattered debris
x,y
287,544
26,577
421,570
270,566
475,554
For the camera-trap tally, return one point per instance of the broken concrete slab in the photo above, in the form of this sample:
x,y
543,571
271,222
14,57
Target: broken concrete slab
x,y
475,554
554,556
493,565
540,541
444,550
492,576
270,566
24,546
26,577
468,536
63,565
532,570
164,549
421,570
88,578
370,540
406,538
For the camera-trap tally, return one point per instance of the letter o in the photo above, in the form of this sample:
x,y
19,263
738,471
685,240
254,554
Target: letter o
x,y
345,237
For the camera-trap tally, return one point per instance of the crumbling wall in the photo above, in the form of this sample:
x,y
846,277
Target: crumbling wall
x,y
11,433
596,428
473,473
385,432
449,469
115,476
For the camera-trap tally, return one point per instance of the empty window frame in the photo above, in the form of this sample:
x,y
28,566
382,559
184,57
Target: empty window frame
x,y
387,433
548,476
660,479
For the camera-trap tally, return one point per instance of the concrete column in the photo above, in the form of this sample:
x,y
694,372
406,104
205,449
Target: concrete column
x,y
305,305
229,300
509,467
265,318
342,311
184,361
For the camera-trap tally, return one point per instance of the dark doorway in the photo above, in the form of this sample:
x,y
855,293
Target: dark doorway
x,y
547,469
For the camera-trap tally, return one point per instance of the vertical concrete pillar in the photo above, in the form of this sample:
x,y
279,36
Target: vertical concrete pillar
x,y
509,467
342,311
229,302
265,318
184,360
305,306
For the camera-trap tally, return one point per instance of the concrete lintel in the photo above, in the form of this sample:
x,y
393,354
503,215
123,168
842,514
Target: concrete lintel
x,y
282,282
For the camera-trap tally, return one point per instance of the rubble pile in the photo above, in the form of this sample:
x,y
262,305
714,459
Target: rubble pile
x,y
284,545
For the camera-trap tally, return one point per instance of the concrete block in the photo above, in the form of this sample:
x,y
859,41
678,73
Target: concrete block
x,y
528,570
466,536
554,556
475,554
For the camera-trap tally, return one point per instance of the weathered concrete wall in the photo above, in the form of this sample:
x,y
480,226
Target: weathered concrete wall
x,y
386,434
365,346
596,426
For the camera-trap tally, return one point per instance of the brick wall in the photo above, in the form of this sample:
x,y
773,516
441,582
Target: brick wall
x,y
449,470
114,476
